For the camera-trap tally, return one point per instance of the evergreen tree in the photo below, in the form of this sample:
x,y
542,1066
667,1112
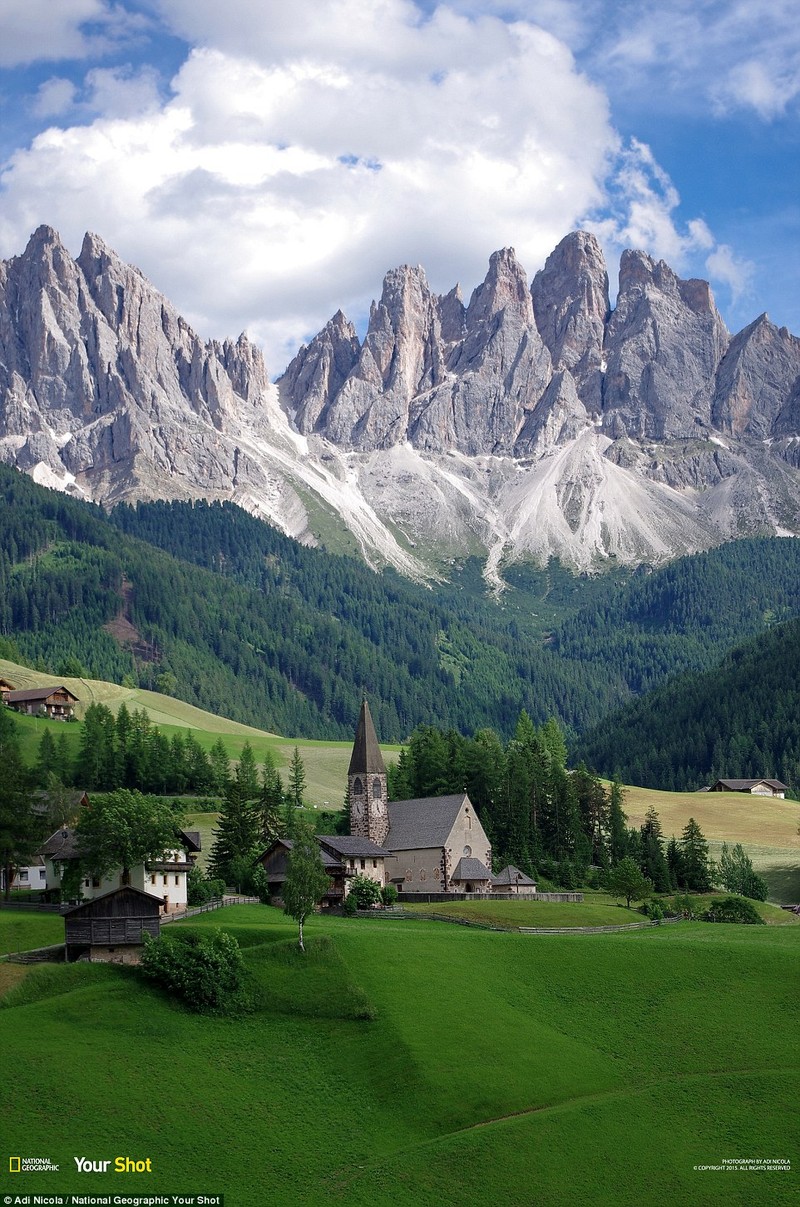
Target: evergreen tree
x,y
270,801
617,834
674,863
219,767
653,860
18,831
46,759
247,774
296,781
236,836
737,874
694,849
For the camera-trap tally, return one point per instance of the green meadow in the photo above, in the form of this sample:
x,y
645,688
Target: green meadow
x,y
411,1061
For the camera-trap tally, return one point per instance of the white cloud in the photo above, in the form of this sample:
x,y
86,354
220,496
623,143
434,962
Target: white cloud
x,y
724,266
50,30
727,55
54,97
305,151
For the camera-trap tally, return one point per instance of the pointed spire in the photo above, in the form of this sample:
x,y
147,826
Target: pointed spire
x,y
366,758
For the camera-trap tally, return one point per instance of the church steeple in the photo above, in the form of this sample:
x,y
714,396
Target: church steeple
x,y
366,782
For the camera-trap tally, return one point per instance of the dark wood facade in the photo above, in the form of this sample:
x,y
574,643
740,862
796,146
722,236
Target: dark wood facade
x,y
119,919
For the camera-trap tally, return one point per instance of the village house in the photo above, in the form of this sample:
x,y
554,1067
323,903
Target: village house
x,y
165,879
753,787
57,703
5,688
342,857
64,805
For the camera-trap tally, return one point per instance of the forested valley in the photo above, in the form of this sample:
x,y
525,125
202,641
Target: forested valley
x,y
211,605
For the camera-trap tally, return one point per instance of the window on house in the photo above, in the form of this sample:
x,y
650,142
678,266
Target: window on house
x,y
374,863
376,789
153,879
42,874
23,874
177,880
95,882
358,787
363,864
165,879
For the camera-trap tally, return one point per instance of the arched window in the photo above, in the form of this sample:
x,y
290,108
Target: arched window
x,y
376,789
358,787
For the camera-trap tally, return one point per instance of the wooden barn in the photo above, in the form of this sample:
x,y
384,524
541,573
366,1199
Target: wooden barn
x,y
110,928
752,787
58,703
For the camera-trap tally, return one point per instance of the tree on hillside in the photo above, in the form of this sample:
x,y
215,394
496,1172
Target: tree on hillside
x,y
617,835
236,838
694,851
247,774
296,784
124,829
306,878
18,831
654,864
270,800
737,874
220,767
626,880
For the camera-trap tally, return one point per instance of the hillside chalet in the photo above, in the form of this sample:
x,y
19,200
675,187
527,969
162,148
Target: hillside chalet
x,y
57,703
110,928
753,787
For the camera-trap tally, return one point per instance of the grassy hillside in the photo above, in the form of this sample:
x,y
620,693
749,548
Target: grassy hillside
x,y
427,1064
767,828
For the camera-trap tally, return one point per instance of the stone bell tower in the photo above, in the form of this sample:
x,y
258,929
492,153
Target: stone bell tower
x,y
366,782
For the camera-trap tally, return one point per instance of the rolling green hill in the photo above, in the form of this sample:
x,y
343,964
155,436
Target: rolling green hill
x,y
426,1063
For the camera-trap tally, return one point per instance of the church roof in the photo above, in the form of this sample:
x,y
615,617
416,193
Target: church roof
x,y
366,758
422,823
471,869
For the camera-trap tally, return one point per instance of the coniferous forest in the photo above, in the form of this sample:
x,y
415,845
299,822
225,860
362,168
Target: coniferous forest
x,y
209,604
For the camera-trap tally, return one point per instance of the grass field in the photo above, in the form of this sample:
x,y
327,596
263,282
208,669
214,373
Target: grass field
x,y
22,930
420,1063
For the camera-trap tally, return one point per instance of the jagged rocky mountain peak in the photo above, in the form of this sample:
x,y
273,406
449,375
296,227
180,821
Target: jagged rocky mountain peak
x,y
532,421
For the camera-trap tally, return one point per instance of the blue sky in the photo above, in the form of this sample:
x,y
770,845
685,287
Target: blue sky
x,y
265,163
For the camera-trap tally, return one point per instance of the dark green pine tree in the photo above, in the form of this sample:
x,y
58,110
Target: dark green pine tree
x,y
694,848
270,801
247,774
19,835
654,863
617,833
220,767
296,781
96,766
46,759
674,863
236,837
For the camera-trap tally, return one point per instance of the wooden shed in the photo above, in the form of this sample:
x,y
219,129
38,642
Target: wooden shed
x,y
110,928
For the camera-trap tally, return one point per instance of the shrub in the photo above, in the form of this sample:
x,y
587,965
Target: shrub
x,y
654,910
205,970
733,909
259,885
366,892
200,888
685,905
389,896
349,906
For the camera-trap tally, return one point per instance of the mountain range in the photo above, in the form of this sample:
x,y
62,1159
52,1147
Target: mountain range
x,y
530,422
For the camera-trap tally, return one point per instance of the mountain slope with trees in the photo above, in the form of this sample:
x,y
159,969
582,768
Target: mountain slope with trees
x,y
740,719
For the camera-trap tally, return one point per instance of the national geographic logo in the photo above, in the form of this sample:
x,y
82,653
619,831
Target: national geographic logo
x,y
31,1165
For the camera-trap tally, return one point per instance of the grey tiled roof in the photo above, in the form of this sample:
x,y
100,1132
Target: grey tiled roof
x,y
422,823
345,844
366,758
744,785
192,839
61,845
471,869
512,875
37,693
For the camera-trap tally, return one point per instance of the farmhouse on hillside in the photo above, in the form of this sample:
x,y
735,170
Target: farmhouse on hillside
x,y
164,880
342,857
57,703
753,787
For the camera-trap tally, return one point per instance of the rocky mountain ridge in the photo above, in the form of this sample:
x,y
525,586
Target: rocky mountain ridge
x,y
530,421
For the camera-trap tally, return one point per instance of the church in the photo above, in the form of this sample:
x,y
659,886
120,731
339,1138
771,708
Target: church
x,y
433,845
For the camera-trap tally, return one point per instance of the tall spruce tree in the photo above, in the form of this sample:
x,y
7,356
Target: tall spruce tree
x,y
296,781
270,801
236,837
694,849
